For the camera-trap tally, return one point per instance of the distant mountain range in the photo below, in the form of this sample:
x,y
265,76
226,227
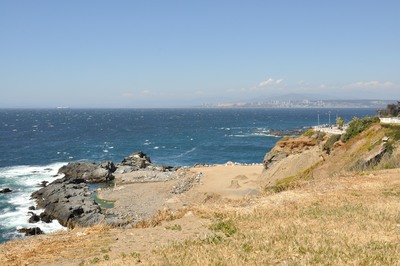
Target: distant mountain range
x,y
304,101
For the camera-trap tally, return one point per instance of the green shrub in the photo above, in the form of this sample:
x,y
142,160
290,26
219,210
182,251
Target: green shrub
x,y
95,260
227,227
356,126
176,227
309,133
321,136
393,131
329,143
285,138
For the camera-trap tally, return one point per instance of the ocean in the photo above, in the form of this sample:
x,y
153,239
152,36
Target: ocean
x,y
35,143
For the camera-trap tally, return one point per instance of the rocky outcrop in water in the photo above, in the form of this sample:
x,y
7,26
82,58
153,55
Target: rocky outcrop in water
x,y
5,190
134,162
31,231
68,199
89,172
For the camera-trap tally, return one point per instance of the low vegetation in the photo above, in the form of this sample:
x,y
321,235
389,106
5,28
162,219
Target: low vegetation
x,y
328,145
227,227
309,133
356,126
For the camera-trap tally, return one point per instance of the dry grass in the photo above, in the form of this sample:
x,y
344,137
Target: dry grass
x,y
52,249
160,216
357,225
348,220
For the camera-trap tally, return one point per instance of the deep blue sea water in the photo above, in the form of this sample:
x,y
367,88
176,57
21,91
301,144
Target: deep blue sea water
x,y
35,143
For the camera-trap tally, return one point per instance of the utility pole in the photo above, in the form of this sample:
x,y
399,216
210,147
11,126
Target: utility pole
x,y
318,118
329,118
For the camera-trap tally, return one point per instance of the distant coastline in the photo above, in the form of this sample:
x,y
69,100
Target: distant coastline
x,y
303,103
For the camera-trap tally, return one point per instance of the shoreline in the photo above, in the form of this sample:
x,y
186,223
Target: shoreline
x,y
138,191
51,171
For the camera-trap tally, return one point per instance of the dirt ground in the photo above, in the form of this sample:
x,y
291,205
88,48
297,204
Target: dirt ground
x,y
140,200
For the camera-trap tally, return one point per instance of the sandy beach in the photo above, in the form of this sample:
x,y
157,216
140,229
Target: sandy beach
x,y
139,200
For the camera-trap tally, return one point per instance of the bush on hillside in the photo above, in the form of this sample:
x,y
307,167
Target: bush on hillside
x,y
309,133
393,131
329,143
356,126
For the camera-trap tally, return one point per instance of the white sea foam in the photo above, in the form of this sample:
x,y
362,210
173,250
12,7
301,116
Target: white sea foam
x,y
249,135
255,132
24,180
185,153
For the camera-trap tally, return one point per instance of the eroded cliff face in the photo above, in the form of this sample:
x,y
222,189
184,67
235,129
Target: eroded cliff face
x,y
325,155
290,157
286,148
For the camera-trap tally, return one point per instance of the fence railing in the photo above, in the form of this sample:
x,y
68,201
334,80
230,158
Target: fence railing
x,y
390,120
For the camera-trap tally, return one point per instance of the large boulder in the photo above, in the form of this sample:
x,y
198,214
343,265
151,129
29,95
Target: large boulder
x,y
68,200
31,231
88,171
34,218
5,190
135,161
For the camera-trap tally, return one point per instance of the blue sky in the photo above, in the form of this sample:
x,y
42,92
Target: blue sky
x,y
184,53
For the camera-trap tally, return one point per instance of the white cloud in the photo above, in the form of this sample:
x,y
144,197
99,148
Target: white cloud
x,y
263,86
374,84
270,82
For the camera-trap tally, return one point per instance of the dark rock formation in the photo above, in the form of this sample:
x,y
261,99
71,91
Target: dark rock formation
x,y
31,231
32,208
89,172
43,183
136,161
5,190
34,218
45,217
140,161
68,200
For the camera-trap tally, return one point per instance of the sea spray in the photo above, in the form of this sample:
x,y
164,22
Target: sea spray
x,y
14,206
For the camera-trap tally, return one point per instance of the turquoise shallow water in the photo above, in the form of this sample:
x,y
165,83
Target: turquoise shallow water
x,y
35,143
